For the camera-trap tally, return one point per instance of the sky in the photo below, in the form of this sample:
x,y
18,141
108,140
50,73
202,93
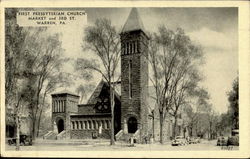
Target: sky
x,y
215,29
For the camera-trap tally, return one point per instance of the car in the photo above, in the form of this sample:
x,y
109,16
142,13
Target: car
x,y
233,140
235,132
192,140
24,140
197,140
179,140
222,141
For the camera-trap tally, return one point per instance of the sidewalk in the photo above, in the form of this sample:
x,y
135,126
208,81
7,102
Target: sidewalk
x,y
72,141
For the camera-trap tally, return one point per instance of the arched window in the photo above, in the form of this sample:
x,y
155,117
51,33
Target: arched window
x,y
99,123
130,48
136,43
90,126
133,47
104,126
94,124
59,106
130,78
62,105
55,106
77,126
107,122
127,48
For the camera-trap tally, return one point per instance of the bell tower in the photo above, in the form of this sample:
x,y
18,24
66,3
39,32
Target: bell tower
x,y
134,76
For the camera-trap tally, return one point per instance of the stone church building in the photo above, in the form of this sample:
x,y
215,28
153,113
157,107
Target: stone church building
x,y
133,107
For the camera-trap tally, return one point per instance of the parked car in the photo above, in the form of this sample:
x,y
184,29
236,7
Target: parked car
x,y
235,132
233,140
197,139
179,140
24,140
222,141
192,141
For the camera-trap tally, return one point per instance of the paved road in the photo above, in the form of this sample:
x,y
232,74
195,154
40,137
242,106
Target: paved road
x,y
99,145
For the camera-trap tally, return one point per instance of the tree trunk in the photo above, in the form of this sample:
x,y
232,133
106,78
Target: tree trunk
x,y
161,127
39,120
191,131
17,133
175,124
112,141
40,114
33,131
17,121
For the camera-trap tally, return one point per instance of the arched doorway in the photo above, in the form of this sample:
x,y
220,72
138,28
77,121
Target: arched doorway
x,y
60,125
132,125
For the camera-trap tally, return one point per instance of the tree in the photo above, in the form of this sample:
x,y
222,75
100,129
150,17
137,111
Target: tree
x,y
55,79
83,90
46,61
103,41
173,59
192,118
233,98
14,52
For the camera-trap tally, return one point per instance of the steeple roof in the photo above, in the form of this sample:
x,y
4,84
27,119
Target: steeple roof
x,y
133,22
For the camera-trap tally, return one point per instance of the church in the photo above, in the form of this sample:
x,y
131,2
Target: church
x,y
133,115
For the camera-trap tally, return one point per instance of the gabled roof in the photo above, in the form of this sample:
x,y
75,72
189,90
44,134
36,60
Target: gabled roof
x,y
133,22
94,96
96,93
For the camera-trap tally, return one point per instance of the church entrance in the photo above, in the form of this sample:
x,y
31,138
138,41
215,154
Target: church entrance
x,y
60,125
132,125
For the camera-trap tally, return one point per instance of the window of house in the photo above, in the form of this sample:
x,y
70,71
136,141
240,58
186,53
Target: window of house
x,y
94,126
59,106
136,47
131,47
56,106
108,126
77,126
127,48
130,78
80,127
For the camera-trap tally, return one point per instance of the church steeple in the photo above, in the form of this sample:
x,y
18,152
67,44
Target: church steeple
x,y
133,22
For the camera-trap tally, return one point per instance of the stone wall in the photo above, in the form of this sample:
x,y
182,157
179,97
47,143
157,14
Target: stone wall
x,y
70,104
87,134
135,106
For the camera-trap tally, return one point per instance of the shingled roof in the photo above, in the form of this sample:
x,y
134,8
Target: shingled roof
x,y
133,22
94,96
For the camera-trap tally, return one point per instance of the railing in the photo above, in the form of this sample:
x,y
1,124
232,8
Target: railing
x,y
61,135
46,135
50,135
137,133
119,135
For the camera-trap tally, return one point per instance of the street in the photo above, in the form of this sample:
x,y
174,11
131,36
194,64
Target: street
x,y
99,145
